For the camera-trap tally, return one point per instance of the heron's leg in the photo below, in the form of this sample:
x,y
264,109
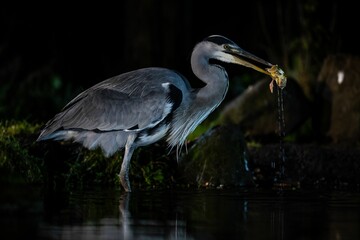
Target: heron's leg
x,y
124,172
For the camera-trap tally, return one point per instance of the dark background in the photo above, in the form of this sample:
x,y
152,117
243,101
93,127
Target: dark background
x,y
48,54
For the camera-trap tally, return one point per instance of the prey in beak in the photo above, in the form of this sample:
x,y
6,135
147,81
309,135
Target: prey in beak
x,y
277,75
247,59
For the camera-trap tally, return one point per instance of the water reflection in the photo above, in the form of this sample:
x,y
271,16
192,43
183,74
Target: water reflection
x,y
149,226
224,214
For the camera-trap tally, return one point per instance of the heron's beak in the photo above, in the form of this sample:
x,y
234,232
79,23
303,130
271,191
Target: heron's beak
x,y
247,59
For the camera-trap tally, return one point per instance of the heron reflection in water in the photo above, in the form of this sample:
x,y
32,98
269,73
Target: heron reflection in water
x,y
140,107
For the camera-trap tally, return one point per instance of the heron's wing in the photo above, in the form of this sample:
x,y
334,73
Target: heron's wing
x,y
105,109
129,102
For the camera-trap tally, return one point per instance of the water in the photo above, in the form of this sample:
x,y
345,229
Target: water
x,y
279,167
221,214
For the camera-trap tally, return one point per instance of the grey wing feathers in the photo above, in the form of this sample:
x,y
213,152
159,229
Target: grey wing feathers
x,y
131,101
110,110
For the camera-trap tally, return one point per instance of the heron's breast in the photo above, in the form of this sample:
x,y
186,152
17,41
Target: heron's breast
x,y
152,135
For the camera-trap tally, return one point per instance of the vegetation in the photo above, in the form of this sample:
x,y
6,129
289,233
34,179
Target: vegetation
x,y
17,162
62,165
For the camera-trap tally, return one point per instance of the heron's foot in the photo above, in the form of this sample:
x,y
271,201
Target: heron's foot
x,y
124,180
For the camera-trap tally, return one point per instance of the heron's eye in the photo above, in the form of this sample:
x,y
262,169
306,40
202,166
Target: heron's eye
x,y
226,47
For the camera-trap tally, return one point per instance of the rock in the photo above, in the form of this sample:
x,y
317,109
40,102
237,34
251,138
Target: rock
x,y
338,102
256,110
218,159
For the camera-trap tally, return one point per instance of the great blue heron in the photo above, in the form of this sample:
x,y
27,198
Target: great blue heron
x,y
140,107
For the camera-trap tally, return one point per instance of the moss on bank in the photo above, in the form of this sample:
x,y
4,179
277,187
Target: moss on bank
x,y
17,162
65,165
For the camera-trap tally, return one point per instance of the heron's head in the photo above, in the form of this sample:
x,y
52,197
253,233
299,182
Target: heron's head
x,y
219,48
225,50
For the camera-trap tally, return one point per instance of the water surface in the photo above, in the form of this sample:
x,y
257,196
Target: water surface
x,y
210,214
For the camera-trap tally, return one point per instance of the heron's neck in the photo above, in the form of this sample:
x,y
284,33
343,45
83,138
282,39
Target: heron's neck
x,y
216,80
202,102
215,89
214,76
